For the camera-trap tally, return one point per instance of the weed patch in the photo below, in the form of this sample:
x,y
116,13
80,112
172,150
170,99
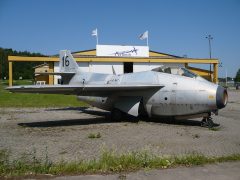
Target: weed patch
x,y
214,128
94,135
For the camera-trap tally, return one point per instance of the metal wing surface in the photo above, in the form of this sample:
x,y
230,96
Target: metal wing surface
x,y
85,90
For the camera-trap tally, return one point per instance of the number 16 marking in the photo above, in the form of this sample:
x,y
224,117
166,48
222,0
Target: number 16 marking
x,y
65,61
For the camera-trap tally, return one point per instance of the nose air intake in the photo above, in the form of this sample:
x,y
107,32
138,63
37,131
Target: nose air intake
x,y
221,97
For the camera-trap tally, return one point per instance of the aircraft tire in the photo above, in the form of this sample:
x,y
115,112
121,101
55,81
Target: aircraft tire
x,y
207,122
210,123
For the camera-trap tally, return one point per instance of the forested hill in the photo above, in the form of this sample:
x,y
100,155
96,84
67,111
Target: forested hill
x,y
20,69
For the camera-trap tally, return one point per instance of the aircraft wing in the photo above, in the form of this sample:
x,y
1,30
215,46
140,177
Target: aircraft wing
x,y
91,90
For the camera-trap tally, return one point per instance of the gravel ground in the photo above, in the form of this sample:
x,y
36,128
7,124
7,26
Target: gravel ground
x,y
62,134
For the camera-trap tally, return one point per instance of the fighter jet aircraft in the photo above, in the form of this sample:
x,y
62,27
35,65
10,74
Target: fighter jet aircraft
x,y
161,92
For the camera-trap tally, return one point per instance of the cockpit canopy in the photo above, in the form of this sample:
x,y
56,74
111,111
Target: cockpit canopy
x,y
176,70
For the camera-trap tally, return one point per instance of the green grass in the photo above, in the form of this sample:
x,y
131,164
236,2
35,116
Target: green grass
x,y
215,128
17,82
109,162
94,135
8,99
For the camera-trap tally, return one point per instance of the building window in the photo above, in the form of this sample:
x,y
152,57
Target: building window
x,y
128,67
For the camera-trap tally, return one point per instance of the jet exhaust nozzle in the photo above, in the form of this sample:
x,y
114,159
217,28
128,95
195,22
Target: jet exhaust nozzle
x,y
221,97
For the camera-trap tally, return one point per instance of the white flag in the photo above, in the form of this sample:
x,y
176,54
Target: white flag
x,y
144,35
94,32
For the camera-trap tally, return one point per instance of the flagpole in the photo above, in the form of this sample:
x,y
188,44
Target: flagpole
x,y
147,37
97,35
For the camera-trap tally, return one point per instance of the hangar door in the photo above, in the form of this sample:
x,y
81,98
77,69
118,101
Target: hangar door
x,y
128,67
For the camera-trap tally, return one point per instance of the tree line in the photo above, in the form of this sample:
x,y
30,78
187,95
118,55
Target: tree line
x,y
20,69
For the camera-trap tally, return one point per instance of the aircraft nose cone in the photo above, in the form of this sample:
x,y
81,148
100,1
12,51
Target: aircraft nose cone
x,y
221,97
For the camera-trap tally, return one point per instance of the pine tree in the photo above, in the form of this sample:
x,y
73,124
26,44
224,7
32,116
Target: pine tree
x,y
23,69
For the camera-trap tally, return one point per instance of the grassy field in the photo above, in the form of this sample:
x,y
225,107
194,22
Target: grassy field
x,y
109,162
8,99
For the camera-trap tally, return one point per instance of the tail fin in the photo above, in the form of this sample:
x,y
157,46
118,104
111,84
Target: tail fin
x,y
67,62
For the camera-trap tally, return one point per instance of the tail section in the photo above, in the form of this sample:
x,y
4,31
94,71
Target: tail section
x,y
67,62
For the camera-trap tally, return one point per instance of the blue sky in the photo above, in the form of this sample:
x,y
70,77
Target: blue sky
x,y
176,27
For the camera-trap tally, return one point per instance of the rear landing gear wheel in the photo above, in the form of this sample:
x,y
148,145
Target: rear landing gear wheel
x,y
207,122
116,115
210,122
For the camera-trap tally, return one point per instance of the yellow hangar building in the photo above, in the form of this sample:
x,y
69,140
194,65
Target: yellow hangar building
x,y
123,59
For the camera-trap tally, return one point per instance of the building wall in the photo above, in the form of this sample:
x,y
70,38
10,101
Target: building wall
x,y
106,67
41,69
137,67
42,78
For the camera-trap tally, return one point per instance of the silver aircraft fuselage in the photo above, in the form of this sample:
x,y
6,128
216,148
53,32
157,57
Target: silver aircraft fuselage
x,y
179,96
